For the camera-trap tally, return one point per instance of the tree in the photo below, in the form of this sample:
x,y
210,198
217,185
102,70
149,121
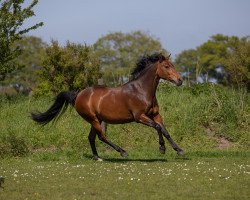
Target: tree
x,y
206,62
12,17
212,55
119,52
72,67
29,61
237,64
187,62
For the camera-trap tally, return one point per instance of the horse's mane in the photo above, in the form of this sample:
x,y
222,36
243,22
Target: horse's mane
x,y
146,61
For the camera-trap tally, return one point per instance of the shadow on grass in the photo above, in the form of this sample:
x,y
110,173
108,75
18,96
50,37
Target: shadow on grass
x,y
135,160
123,160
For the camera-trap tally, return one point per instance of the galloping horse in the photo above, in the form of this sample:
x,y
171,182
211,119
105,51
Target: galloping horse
x,y
133,101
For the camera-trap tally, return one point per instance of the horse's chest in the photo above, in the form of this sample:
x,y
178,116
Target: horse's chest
x,y
152,108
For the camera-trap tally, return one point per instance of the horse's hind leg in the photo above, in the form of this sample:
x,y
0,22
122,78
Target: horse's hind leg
x,y
92,136
97,126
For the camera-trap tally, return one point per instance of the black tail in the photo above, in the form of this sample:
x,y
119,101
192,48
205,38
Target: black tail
x,y
61,103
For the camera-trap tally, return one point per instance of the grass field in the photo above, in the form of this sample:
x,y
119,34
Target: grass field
x,y
225,176
210,123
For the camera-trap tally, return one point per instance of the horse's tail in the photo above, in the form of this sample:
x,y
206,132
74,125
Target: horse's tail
x,y
60,104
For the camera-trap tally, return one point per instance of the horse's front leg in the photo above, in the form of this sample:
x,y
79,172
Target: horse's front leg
x,y
158,119
144,119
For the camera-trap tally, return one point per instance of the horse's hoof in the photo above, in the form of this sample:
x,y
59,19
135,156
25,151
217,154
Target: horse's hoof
x,y
180,153
97,158
124,154
162,150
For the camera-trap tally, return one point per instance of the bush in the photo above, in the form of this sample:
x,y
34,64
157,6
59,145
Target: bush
x,y
13,146
193,111
72,67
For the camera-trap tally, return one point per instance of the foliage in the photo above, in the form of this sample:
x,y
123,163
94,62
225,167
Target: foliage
x,y
71,67
197,117
119,52
187,63
13,145
237,63
208,61
12,17
214,110
30,61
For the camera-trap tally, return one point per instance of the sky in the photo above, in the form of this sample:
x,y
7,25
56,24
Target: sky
x,y
178,24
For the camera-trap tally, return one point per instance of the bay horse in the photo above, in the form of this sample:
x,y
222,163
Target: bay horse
x,y
134,101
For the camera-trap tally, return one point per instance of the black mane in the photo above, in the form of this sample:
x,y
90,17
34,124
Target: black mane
x,y
144,62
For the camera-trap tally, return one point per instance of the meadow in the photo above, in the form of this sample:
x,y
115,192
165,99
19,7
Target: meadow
x,y
138,178
210,122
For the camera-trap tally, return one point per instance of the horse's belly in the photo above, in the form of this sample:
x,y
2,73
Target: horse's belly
x,y
114,112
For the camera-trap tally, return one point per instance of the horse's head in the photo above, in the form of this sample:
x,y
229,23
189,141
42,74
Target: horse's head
x,y
166,71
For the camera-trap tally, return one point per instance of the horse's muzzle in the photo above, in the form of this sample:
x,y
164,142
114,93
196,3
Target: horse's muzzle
x,y
179,82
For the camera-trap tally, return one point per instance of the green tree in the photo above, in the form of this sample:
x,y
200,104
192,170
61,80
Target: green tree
x,y
71,67
206,62
12,17
187,62
237,64
119,52
212,55
30,61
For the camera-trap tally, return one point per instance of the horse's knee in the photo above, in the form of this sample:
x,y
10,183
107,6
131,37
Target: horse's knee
x,y
158,127
161,142
102,138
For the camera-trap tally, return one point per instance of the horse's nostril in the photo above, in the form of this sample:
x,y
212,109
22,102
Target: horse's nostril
x,y
179,82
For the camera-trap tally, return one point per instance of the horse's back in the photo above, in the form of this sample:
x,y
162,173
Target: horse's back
x,y
106,104
86,98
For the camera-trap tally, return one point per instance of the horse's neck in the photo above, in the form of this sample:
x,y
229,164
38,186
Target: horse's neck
x,y
148,82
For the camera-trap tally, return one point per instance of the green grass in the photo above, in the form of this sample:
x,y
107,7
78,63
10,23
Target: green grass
x,y
131,178
54,162
196,117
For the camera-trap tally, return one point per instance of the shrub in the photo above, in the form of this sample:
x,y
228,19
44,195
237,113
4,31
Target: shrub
x,y
67,68
13,146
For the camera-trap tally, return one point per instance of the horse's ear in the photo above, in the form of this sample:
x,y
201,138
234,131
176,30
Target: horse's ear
x,y
169,56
